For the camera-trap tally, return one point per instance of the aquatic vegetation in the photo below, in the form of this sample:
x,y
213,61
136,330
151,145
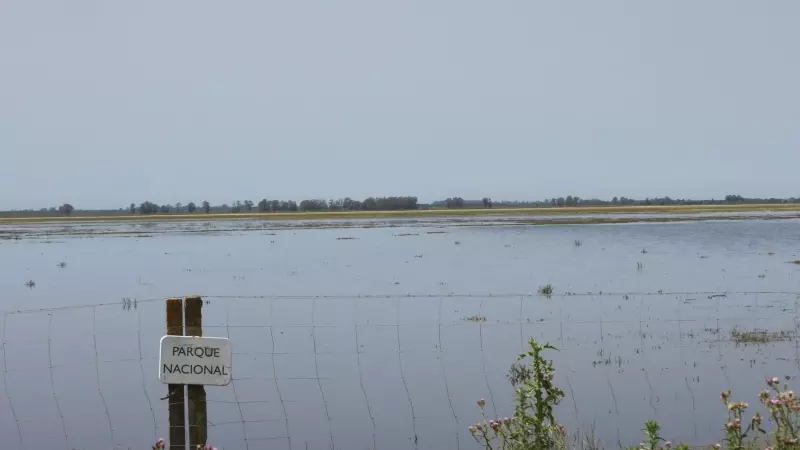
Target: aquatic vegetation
x,y
578,243
475,318
345,238
161,444
760,336
62,264
129,303
546,290
30,283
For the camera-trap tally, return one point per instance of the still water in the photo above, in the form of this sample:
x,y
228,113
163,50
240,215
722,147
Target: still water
x,y
357,338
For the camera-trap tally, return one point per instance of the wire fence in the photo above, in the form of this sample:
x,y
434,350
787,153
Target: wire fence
x,y
393,372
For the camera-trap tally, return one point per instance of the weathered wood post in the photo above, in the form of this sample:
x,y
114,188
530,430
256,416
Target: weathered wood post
x,y
198,424
177,420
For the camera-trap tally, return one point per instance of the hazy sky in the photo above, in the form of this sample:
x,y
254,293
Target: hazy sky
x,y
103,103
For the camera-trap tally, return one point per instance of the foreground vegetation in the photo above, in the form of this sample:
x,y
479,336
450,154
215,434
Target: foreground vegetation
x,y
533,425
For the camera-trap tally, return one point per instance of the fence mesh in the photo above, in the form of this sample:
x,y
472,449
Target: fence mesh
x,y
393,372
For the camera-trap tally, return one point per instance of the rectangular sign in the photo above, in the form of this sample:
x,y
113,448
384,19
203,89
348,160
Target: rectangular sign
x,y
195,360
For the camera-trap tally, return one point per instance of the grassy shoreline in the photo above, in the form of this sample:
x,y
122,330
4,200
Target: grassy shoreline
x,y
422,213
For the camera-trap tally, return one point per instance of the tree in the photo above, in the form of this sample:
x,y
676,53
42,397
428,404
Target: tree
x,y
487,202
615,200
248,205
132,208
292,205
165,208
369,204
335,205
206,207
148,208
734,199
263,205
66,209
313,205
275,205
191,207
178,207
454,202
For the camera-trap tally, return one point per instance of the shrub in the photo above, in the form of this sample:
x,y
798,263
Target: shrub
x,y
533,425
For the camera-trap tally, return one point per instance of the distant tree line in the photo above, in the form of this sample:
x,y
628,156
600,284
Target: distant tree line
x,y
265,206
568,201
383,204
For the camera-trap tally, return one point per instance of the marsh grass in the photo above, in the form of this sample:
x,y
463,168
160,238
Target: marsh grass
x,y
578,242
475,318
796,261
62,264
546,290
30,283
760,336
346,238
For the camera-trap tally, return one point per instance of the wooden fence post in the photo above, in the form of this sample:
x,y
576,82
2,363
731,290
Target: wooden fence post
x,y
198,419
177,419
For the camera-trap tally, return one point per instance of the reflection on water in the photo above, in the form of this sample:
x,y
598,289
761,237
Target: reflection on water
x,y
403,370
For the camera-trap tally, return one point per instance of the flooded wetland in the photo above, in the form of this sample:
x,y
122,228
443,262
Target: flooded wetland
x,y
364,334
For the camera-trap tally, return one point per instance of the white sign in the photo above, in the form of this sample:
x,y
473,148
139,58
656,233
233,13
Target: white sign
x,y
195,360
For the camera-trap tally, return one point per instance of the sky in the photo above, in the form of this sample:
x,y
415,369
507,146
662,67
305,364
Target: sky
x,y
104,103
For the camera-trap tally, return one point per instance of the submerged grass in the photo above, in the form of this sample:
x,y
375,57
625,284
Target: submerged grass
x,y
475,318
760,336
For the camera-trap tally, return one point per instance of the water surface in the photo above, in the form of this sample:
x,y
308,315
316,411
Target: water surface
x,y
361,343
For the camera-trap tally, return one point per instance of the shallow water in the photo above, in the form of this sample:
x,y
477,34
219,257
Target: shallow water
x,y
361,343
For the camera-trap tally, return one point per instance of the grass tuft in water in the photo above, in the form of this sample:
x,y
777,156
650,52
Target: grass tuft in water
x,y
578,242
796,261
546,290
475,318
30,283
62,264
760,336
